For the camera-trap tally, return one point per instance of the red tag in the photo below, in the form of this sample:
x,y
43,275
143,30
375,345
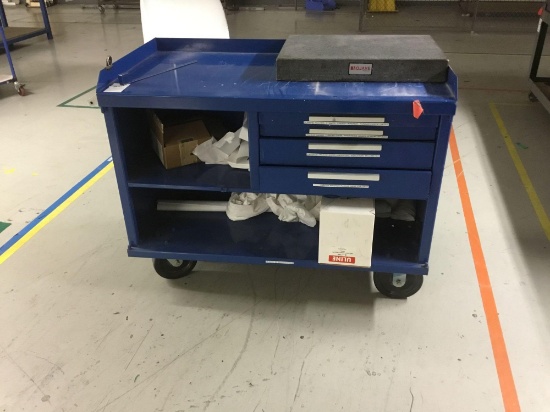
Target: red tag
x,y
417,109
341,259
541,10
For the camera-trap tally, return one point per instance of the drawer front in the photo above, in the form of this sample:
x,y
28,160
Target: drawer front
x,y
382,127
401,184
346,153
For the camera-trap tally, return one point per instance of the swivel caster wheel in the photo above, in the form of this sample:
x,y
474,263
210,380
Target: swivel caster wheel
x,y
20,88
397,285
173,268
533,98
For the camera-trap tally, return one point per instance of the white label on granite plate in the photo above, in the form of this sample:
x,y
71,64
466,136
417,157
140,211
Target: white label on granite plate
x,y
360,68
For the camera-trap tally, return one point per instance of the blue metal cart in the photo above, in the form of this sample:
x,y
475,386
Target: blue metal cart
x,y
234,77
17,34
540,86
10,77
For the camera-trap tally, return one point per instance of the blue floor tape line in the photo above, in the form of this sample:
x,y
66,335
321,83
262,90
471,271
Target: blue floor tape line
x,y
53,206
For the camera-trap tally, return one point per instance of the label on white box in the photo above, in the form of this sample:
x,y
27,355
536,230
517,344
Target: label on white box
x,y
347,260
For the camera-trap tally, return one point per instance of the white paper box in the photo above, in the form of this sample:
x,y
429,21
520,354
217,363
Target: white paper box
x,y
346,231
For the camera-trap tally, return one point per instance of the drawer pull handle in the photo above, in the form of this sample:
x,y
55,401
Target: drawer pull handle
x,y
347,136
347,120
340,155
347,124
370,177
350,147
373,134
341,186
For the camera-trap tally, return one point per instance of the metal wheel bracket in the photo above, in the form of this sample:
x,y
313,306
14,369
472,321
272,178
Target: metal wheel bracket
x,y
175,262
399,279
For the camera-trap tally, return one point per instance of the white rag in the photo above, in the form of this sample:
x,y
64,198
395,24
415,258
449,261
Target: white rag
x,y
295,208
405,210
232,149
289,208
242,206
397,209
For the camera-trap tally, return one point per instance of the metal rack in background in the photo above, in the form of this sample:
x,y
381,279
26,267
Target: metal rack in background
x,y
11,35
234,5
467,15
117,4
16,34
540,86
10,77
498,8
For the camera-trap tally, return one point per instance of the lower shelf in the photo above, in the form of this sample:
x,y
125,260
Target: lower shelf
x,y
264,239
5,78
17,34
541,90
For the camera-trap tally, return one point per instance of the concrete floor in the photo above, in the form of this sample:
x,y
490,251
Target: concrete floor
x,y
84,328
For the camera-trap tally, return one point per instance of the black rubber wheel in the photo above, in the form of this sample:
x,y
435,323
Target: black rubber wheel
x,y
172,268
533,98
384,284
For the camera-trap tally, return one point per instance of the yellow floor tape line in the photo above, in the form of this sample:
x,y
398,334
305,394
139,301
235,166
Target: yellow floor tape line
x,y
16,246
524,176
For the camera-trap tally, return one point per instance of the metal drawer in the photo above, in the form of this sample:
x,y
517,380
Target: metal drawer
x,y
401,184
384,127
346,153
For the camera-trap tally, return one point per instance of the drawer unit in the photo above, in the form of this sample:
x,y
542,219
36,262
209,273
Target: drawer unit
x,y
346,153
401,184
404,127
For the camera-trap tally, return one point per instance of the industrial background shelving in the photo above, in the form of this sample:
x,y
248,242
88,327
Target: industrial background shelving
x,y
17,34
539,85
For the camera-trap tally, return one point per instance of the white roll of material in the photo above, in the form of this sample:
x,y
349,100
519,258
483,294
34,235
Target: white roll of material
x,y
183,19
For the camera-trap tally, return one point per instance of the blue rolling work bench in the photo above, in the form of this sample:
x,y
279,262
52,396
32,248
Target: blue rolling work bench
x,y
11,77
17,34
234,77
540,86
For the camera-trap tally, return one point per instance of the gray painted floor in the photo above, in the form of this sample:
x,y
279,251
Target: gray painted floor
x,y
84,328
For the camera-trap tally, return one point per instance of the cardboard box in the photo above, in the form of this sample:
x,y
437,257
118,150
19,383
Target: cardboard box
x,y
346,230
174,141
32,3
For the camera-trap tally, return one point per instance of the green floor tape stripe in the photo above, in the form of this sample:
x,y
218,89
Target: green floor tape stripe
x,y
66,102
4,226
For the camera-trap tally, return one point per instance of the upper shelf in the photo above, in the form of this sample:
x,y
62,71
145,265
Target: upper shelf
x,y
240,75
148,172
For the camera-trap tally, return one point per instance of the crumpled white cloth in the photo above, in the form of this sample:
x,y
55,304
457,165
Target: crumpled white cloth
x,y
232,149
404,209
295,208
289,208
397,209
382,208
242,206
